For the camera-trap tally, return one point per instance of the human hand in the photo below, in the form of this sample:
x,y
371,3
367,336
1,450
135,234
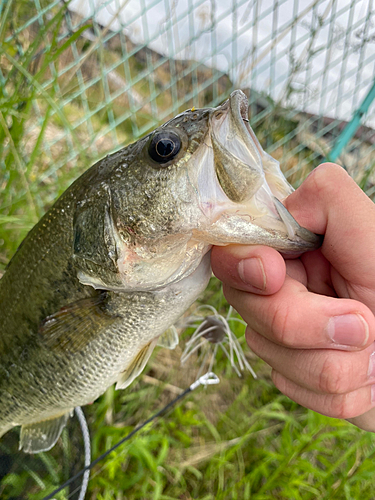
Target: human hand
x,y
312,318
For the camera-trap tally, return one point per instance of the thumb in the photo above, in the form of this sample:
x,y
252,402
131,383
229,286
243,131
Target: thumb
x,y
329,202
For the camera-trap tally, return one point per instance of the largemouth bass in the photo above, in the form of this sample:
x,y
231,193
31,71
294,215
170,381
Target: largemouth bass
x,y
122,254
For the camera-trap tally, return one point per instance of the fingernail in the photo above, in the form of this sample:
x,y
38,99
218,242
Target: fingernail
x,y
371,365
348,329
373,394
251,272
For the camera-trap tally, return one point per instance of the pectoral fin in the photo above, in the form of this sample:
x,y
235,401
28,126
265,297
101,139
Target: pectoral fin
x,y
42,436
75,325
169,339
136,366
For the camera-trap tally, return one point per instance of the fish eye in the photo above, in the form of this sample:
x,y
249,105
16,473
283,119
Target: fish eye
x,y
164,146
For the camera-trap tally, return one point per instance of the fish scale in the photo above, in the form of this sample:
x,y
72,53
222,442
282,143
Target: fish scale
x,y
122,254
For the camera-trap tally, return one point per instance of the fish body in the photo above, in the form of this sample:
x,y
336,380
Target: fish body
x,y
122,254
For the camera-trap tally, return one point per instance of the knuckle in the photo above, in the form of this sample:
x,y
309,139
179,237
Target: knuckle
x,y
331,173
280,325
333,169
343,406
334,378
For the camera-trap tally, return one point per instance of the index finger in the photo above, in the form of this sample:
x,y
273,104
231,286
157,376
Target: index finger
x,y
296,318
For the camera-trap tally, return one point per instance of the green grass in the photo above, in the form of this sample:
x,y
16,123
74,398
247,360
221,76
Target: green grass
x,y
239,440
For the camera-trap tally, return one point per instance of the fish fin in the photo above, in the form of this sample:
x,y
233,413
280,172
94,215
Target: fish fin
x,y
76,324
42,436
136,366
169,339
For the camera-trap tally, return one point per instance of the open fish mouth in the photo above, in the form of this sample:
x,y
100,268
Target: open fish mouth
x,y
225,191
253,185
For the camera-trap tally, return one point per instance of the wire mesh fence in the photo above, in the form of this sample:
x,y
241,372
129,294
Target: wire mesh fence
x,y
81,79
123,67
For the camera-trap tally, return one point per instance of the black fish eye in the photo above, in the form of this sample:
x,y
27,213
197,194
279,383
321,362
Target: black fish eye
x,y
164,146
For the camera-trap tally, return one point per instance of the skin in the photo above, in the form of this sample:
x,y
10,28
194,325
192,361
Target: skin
x,y
322,363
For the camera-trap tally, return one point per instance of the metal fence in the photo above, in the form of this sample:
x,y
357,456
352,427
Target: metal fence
x,y
307,67
81,79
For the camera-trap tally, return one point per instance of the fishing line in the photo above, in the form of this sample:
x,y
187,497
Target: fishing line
x,y
207,379
87,447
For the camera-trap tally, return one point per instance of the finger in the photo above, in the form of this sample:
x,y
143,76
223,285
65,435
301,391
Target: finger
x,y
323,371
256,269
366,421
329,202
347,405
296,318
318,273
314,272
296,270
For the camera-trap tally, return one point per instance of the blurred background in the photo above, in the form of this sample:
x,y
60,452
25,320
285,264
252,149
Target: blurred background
x,y
81,79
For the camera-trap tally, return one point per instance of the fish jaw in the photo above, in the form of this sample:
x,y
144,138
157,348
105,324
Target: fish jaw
x,y
240,192
222,189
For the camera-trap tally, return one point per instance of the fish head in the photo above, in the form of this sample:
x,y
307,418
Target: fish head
x,y
200,179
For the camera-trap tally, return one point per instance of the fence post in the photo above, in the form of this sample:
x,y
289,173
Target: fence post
x,y
352,126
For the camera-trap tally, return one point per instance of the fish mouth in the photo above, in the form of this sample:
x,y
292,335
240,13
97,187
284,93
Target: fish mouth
x,y
253,185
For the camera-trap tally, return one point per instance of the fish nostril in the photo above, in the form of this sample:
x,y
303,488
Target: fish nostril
x,y
218,115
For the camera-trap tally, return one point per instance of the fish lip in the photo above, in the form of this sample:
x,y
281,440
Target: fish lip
x,y
237,157
297,238
239,107
239,103
240,110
